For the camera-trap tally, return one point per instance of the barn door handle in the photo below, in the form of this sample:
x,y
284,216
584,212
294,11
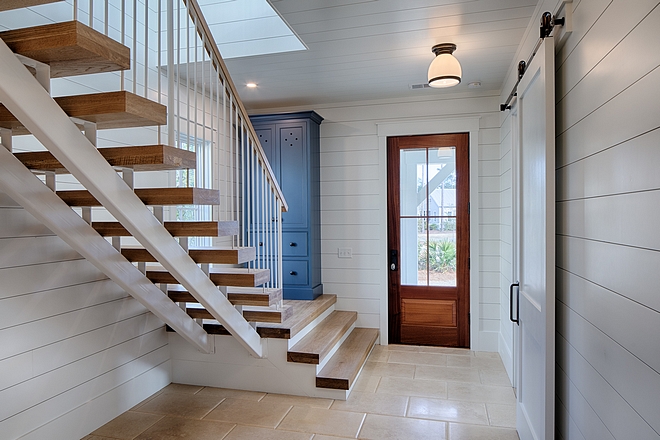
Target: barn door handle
x,y
517,303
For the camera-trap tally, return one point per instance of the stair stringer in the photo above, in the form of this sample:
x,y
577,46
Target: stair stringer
x,y
28,191
25,98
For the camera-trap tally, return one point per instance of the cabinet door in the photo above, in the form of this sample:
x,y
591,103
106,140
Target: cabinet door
x,y
294,175
267,140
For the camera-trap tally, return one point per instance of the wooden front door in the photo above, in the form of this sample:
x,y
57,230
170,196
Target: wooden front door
x,y
429,239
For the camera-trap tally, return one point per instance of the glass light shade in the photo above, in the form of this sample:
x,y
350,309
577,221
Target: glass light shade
x,y
444,71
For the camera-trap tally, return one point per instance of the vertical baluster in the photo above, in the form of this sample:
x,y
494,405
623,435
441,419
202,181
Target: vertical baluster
x,y
91,13
264,232
159,63
75,10
146,48
134,35
107,17
123,39
178,75
279,243
171,107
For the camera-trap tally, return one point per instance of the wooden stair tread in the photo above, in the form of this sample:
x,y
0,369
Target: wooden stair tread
x,y
141,158
250,313
150,196
70,48
320,341
220,277
7,5
304,313
225,255
239,296
176,229
108,110
342,369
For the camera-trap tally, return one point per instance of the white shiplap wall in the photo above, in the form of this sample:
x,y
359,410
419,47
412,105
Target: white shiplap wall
x,y
75,350
608,247
353,191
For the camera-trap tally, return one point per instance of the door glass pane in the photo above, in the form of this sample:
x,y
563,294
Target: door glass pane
x,y
413,252
442,179
413,182
442,251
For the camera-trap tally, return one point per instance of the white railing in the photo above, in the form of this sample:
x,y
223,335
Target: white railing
x,y
184,70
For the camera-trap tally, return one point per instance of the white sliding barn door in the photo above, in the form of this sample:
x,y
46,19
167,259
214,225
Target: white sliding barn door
x,y
536,248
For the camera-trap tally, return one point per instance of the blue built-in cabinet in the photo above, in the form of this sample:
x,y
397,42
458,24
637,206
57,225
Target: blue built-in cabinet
x,y
291,142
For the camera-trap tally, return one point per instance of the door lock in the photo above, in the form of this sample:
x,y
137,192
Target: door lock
x,y
394,259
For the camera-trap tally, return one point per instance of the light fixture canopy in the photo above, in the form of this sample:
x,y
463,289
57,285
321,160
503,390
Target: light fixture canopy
x,y
445,70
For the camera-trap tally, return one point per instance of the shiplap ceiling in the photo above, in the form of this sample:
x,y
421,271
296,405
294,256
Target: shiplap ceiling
x,y
374,49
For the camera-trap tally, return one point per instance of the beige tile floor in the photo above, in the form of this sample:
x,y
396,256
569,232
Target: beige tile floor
x,y
404,392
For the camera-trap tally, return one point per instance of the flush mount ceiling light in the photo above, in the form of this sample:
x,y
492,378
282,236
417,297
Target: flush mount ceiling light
x,y
251,85
445,70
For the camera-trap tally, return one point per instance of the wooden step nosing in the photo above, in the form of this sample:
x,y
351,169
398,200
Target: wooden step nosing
x,y
328,355
296,337
303,353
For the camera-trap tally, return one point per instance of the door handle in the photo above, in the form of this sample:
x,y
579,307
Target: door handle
x,y
394,259
517,303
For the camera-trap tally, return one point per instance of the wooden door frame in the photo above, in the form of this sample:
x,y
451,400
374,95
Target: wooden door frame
x,y
395,146
478,340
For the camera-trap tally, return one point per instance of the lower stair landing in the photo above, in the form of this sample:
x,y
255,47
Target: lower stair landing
x,y
315,352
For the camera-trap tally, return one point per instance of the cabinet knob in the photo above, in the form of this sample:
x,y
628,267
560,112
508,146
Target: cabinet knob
x,y
293,272
293,244
261,243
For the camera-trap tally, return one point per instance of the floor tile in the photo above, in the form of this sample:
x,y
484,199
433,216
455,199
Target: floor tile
x,y
480,393
181,388
398,347
128,425
366,383
401,357
487,354
379,354
235,394
495,377
175,428
387,369
246,412
379,427
412,387
459,431
328,437
447,350
316,402
456,374
373,403
182,405
448,410
96,437
475,362
254,433
501,415
323,421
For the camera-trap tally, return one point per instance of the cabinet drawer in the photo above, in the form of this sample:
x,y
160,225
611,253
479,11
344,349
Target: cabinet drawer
x,y
294,244
295,272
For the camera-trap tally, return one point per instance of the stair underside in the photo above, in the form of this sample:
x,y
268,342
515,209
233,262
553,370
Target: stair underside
x,y
220,277
142,158
108,110
239,296
250,313
69,48
342,369
176,229
320,341
150,196
205,255
6,5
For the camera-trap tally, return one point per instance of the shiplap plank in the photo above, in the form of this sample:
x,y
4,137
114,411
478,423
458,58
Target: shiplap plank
x,y
604,264
360,305
16,369
355,187
29,336
359,232
26,251
364,247
355,172
350,217
16,222
585,14
356,275
331,261
608,126
627,167
627,220
345,202
348,290
349,144
615,365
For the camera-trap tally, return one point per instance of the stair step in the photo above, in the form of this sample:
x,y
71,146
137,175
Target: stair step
x,y
176,229
250,313
236,255
150,196
322,339
7,5
220,277
343,367
69,48
304,313
141,158
108,110
239,296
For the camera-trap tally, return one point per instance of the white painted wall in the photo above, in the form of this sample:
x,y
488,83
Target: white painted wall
x,y
608,309
353,200
75,350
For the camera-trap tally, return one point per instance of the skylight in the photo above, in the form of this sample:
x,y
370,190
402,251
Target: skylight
x,y
244,28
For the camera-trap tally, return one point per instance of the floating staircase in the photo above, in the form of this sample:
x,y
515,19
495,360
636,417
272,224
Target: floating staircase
x,y
315,349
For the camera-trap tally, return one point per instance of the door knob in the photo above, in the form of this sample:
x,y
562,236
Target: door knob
x,y
293,272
